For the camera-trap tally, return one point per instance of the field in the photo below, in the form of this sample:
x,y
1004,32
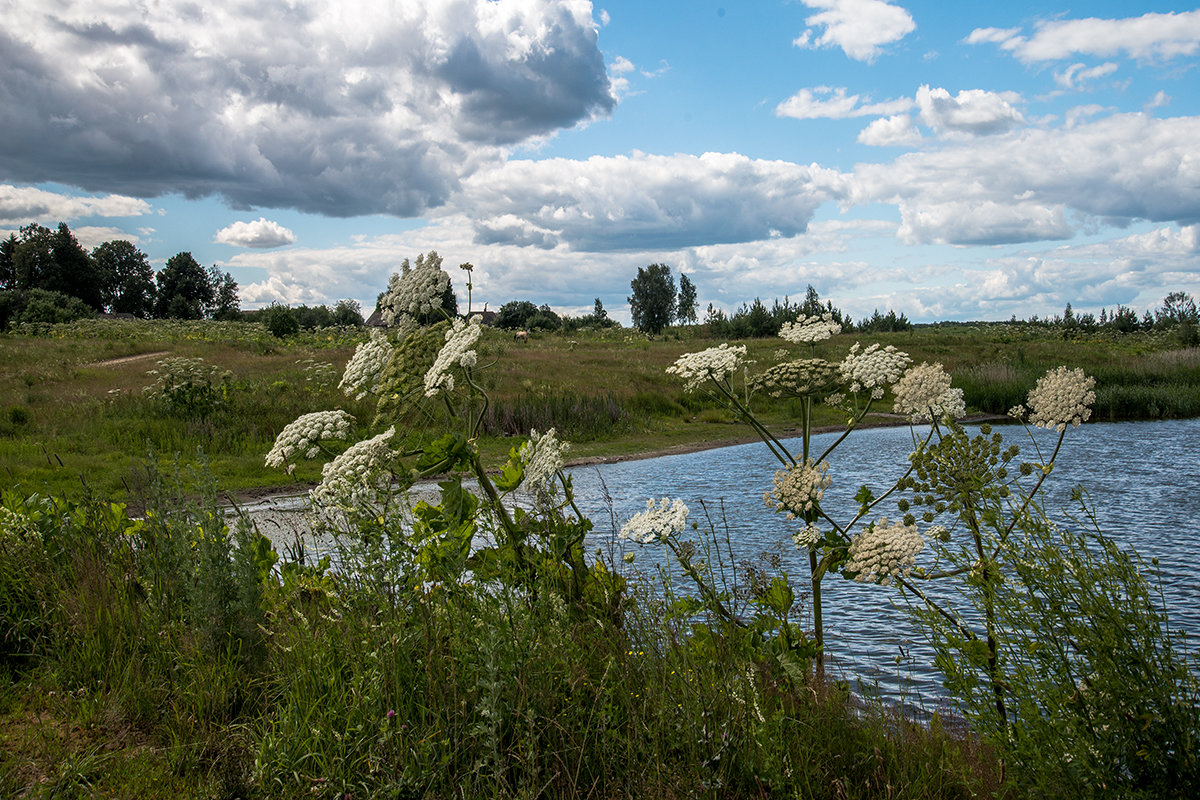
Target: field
x,y
153,647
73,411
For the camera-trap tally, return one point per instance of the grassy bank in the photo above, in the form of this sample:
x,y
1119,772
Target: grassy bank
x,y
73,408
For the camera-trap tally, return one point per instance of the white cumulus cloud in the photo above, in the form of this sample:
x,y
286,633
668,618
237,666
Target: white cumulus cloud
x,y
20,205
262,233
971,111
1152,36
824,102
859,27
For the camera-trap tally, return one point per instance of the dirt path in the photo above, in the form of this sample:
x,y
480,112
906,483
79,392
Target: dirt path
x,y
112,362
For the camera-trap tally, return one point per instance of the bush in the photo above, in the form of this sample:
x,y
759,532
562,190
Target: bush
x,y
41,305
280,320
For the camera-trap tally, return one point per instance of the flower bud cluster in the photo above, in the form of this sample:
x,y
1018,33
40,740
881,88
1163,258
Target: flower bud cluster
x,y
884,551
810,330
800,488
715,362
660,521
874,368
543,456
457,350
357,475
1061,397
924,394
416,293
301,438
365,366
808,538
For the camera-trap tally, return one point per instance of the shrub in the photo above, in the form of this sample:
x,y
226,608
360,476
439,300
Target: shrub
x,y
280,320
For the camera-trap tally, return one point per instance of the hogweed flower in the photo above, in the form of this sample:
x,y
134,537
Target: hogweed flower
x,y
543,456
810,330
357,475
416,293
802,378
361,376
457,350
873,369
925,395
716,362
1062,396
301,438
800,488
660,521
808,538
883,551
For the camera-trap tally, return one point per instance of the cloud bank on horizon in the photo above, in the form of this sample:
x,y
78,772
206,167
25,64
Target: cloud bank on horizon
x,y
1004,162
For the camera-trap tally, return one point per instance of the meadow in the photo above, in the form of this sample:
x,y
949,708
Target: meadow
x,y
155,647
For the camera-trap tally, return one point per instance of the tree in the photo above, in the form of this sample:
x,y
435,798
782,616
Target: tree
x,y
184,289
1177,308
515,314
280,320
53,260
126,278
225,303
653,300
687,300
348,313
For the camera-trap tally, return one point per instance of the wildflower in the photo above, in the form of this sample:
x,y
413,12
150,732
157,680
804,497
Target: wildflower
x,y
365,366
457,350
884,551
302,437
543,456
657,523
801,378
873,368
1061,396
924,394
716,362
799,489
354,477
808,538
810,330
416,293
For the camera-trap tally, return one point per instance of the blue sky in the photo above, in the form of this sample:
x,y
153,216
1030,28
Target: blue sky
x,y
951,161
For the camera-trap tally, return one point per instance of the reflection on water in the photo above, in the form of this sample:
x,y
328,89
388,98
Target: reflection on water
x,y
1142,478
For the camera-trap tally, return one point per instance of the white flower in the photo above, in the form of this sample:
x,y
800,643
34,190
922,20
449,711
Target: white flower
x,y
365,366
924,394
810,330
301,437
715,362
457,350
1062,396
808,538
883,551
657,523
416,293
357,476
800,488
543,456
873,368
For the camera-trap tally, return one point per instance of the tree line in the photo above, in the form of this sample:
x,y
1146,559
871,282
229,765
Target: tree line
x,y
47,276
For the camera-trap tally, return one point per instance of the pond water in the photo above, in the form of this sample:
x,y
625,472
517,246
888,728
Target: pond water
x,y
1143,479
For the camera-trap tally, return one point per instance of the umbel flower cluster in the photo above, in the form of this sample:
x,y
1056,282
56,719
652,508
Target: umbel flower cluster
x,y
365,366
810,330
416,293
800,488
356,477
874,368
459,340
805,377
717,363
660,521
302,437
807,538
924,394
1062,397
884,551
543,456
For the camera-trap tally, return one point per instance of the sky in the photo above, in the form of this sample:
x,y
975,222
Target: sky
x,y
951,161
